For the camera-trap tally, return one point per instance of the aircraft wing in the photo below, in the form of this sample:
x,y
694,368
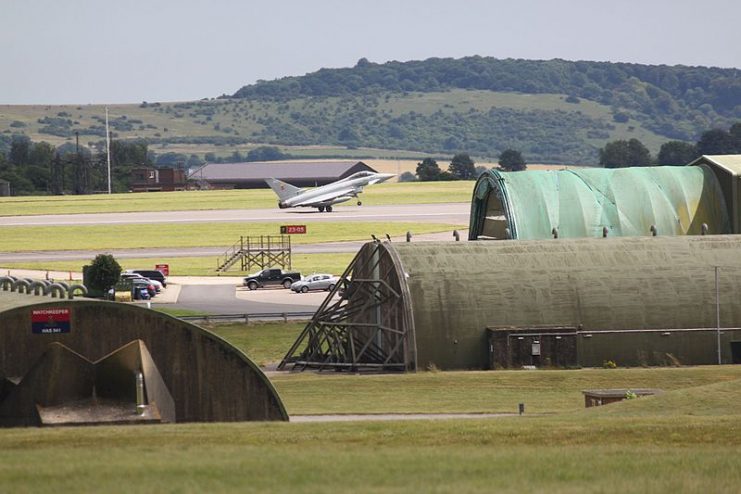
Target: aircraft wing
x,y
328,196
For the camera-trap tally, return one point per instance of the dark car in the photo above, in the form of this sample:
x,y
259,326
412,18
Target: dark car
x,y
152,274
270,277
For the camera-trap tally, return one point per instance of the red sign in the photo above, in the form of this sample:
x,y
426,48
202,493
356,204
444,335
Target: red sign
x,y
291,229
50,321
163,268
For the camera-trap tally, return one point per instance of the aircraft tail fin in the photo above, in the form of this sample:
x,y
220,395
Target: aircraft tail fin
x,y
283,190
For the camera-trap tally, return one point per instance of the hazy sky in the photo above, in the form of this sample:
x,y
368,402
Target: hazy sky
x,y
128,51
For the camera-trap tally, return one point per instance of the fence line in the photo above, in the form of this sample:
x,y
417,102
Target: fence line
x,y
247,317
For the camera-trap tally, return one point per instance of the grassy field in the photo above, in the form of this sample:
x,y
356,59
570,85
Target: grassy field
x,y
134,236
197,266
685,440
625,447
377,195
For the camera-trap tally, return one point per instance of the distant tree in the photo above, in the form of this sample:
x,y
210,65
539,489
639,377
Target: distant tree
x,y
621,117
20,147
428,170
462,167
512,161
103,273
211,157
676,153
480,170
407,177
717,141
41,154
446,176
266,153
621,153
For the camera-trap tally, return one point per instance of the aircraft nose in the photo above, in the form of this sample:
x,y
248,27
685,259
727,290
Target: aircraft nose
x,y
386,176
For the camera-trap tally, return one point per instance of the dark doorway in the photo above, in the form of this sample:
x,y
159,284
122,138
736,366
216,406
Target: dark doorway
x,y
736,352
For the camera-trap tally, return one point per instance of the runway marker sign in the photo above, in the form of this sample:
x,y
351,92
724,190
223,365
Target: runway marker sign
x,y
292,229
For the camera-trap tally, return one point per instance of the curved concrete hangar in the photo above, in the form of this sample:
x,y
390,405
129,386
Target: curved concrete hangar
x,y
633,300
76,362
531,205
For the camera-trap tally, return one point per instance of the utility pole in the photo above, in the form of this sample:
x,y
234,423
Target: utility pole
x,y
717,310
108,148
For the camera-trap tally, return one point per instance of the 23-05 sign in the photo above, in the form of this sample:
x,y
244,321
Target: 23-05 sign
x,y
292,229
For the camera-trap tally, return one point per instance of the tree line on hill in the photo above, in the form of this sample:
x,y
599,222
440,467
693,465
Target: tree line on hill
x,y
632,152
461,167
673,101
40,168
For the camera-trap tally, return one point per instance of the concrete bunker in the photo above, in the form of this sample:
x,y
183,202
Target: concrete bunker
x,y
88,362
633,300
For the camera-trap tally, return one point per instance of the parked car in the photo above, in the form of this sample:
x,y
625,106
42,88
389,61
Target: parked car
x,y
152,274
270,277
143,284
315,282
157,285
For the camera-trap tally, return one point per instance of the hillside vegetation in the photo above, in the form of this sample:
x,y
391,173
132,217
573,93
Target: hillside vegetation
x,y
553,111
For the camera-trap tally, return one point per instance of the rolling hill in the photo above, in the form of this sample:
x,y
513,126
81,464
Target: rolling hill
x,y
554,111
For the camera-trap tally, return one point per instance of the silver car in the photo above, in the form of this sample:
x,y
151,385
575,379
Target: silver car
x,y
315,282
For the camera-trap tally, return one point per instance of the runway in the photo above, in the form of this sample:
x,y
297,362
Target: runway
x,y
454,213
222,299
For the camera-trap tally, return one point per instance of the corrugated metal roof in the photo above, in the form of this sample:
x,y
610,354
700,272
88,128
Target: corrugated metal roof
x,y
258,170
729,162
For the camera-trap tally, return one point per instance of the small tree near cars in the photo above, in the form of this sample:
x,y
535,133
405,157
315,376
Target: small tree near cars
x,y
103,273
512,161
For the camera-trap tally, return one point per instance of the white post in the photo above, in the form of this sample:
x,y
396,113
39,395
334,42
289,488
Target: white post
x,y
108,148
717,310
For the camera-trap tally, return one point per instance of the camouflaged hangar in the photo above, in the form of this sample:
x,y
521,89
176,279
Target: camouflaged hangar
x,y
702,197
565,302
92,362
609,265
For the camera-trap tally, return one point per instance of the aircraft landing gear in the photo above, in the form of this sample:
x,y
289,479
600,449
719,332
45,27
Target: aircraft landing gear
x,y
360,203
320,208
329,209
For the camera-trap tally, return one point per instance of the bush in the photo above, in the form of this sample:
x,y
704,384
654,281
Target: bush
x,y
103,273
407,177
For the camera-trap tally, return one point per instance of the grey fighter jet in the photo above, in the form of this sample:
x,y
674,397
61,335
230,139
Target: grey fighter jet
x,y
324,197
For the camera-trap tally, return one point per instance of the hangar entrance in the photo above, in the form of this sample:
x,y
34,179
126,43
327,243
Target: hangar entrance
x,y
363,325
514,347
736,352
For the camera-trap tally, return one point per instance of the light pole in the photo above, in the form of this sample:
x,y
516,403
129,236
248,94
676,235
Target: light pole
x,y
108,148
717,310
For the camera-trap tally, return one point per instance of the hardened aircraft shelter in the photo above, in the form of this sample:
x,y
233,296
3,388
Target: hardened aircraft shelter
x,y
91,362
596,202
558,302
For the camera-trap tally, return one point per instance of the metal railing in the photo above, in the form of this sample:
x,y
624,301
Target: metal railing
x,y
256,316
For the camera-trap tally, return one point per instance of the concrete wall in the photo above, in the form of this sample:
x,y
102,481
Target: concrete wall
x,y
209,379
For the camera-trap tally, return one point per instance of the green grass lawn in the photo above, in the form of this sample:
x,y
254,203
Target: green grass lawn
x,y
585,451
686,440
135,236
381,194
198,266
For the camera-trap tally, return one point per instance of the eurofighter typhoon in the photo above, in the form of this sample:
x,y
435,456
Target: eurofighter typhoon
x,y
324,197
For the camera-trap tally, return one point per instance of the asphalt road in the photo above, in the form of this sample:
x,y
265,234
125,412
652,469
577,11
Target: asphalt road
x,y
221,299
454,213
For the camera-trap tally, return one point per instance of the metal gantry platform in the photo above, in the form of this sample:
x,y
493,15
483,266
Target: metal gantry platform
x,y
265,251
362,325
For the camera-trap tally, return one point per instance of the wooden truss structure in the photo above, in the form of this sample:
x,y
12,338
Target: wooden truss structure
x,y
364,324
